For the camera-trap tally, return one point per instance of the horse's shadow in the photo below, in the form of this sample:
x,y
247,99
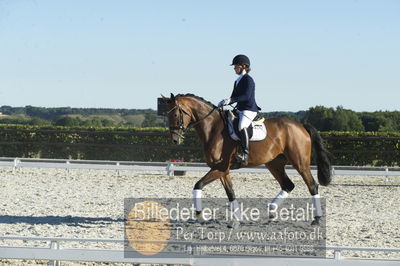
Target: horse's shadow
x,y
60,220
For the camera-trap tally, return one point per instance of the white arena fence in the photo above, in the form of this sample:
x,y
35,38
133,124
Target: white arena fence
x,y
173,167
54,253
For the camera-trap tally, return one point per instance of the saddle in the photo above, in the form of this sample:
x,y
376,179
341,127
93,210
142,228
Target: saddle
x,y
256,131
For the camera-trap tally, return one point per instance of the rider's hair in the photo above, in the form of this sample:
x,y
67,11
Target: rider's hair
x,y
247,68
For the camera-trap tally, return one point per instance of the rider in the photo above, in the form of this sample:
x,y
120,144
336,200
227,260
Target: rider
x,y
244,95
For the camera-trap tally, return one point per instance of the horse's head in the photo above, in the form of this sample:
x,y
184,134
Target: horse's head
x,y
179,118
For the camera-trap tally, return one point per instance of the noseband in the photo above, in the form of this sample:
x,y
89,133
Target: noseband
x,y
181,123
181,112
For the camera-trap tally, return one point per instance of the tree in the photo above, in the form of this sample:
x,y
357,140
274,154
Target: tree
x,y
381,121
68,121
320,117
346,120
290,115
149,120
327,119
369,121
134,120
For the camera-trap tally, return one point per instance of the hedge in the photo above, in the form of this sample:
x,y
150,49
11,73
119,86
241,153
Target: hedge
x,y
154,144
123,144
364,148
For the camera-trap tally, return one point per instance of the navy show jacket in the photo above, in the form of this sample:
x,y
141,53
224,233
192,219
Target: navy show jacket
x,y
244,94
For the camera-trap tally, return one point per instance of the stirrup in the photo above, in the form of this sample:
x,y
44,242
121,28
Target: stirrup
x,y
245,159
242,159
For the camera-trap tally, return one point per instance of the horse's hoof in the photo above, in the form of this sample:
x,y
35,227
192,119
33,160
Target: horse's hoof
x,y
200,219
233,224
315,221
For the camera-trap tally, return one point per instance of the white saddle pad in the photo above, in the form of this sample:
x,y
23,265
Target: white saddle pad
x,y
259,129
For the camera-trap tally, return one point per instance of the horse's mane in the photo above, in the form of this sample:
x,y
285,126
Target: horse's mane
x,y
196,97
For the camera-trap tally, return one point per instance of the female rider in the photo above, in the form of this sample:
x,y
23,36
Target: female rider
x,y
244,95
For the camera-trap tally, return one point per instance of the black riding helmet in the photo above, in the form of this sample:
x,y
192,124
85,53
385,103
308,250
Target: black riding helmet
x,y
240,59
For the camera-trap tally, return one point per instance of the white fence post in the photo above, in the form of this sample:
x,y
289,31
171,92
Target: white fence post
x,y
54,245
387,174
16,162
117,164
170,169
67,167
337,255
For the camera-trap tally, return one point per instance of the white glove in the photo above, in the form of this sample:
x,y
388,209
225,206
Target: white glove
x,y
224,102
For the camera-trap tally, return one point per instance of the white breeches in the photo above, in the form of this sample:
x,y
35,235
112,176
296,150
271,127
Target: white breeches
x,y
245,118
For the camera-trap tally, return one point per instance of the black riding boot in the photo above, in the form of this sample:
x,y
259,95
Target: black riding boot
x,y
244,139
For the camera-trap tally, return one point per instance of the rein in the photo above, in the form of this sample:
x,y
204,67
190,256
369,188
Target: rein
x,y
181,126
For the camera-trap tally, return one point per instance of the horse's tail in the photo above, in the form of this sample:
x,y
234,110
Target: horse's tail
x,y
323,156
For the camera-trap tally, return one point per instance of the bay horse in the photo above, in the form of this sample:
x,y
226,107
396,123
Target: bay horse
x,y
286,142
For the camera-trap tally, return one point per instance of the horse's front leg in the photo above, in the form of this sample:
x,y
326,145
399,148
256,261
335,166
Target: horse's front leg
x,y
226,181
212,175
235,218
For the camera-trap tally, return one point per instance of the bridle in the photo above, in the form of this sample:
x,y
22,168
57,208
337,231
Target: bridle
x,y
181,126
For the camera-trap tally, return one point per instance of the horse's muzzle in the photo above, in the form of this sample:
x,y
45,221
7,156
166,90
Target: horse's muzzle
x,y
177,138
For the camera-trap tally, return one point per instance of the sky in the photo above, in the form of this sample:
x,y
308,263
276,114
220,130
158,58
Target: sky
x,y
125,54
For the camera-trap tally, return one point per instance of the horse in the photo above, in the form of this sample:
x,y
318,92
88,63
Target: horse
x,y
287,142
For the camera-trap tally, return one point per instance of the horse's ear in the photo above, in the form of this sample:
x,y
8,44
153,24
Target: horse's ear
x,y
165,99
172,97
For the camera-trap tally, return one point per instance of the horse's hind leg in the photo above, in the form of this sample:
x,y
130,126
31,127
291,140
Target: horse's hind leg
x,y
313,188
303,167
277,169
